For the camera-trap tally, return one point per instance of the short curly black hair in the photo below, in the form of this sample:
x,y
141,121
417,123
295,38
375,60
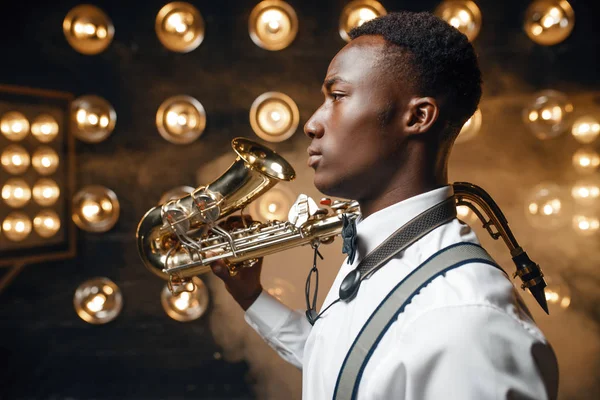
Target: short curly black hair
x,y
442,61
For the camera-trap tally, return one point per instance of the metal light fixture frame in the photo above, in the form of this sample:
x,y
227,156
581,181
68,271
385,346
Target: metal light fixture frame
x,y
62,246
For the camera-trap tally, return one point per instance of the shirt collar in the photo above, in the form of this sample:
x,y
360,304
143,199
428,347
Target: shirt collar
x,y
380,225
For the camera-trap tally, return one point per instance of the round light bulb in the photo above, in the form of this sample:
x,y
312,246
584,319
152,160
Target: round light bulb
x,y
98,301
274,117
547,206
181,119
45,192
463,15
585,129
14,126
16,192
586,160
94,118
44,128
274,205
356,13
180,27
586,191
549,22
15,159
186,306
45,160
558,294
46,223
549,114
16,226
88,29
95,208
273,25
586,224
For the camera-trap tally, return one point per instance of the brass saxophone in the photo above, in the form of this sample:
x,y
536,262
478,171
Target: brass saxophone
x,y
181,238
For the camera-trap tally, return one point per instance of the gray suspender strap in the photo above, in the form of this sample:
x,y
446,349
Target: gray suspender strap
x,y
386,313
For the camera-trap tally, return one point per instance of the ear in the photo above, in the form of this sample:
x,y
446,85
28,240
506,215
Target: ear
x,y
421,113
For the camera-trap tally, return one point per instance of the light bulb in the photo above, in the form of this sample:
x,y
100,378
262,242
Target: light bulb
x,y
88,29
549,22
187,305
44,128
273,25
463,15
95,208
181,119
586,224
586,160
356,13
45,160
15,159
274,116
45,192
586,191
98,301
547,206
549,114
471,128
46,223
16,226
585,129
14,126
16,192
558,294
180,27
94,118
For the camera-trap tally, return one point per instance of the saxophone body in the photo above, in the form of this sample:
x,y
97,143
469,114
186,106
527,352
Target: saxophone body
x,y
181,238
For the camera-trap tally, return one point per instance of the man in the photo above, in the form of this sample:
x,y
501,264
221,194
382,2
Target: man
x,y
396,97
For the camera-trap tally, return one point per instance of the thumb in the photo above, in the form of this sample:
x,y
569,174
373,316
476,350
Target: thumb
x,y
218,267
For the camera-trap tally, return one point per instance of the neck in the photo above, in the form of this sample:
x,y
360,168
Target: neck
x,y
403,184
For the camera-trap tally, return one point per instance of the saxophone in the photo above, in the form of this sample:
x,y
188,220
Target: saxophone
x,y
181,238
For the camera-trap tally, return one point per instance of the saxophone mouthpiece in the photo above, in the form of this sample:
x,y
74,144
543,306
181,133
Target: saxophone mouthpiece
x,y
532,277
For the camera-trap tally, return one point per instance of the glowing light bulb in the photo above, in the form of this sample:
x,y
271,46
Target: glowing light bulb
x,y
549,22
45,192
14,126
15,159
586,160
179,26
463,15
45,160
16,226
273,25
471,128
586,129
16,192
547,206
548,115
274,116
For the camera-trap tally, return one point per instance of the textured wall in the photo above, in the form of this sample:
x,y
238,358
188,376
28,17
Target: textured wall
x,y
48,352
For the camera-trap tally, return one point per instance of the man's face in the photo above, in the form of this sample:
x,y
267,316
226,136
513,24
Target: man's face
x,y
355,133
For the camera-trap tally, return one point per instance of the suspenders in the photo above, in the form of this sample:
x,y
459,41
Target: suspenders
x,y
386,313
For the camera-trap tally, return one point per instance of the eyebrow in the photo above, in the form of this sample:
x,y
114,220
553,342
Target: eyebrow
x,y
333,80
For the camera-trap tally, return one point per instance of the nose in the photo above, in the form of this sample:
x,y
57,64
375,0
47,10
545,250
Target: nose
x,y
313,127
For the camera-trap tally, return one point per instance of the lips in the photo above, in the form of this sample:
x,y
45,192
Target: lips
x,y
314,156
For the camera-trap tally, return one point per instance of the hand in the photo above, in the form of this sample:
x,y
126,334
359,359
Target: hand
x,y
244,286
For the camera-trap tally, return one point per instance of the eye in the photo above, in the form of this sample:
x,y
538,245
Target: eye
x,y
336,96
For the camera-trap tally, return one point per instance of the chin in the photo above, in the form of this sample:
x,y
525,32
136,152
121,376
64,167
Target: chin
x,y
332,187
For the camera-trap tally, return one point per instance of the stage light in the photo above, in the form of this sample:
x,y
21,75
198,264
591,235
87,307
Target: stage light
x,y
549,114
547,206
274,116
175,193
16,192
44,128
98,301
14,126
44,230
95,208
585,129
88,29
461,14
95,118
179,27
586,191
586,160
46,192
471,128
46,223
273,25
586,225
549,22
15,159
274,205
45,160
188,305
181,119
357,13
16,226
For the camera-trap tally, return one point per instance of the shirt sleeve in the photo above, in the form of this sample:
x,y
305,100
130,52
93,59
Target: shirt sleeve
x,y
284,329
469,353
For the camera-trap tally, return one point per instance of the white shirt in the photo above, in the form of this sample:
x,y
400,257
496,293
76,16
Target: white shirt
x,y
467,335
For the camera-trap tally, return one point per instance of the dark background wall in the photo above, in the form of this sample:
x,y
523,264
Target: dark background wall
x,y
46,351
